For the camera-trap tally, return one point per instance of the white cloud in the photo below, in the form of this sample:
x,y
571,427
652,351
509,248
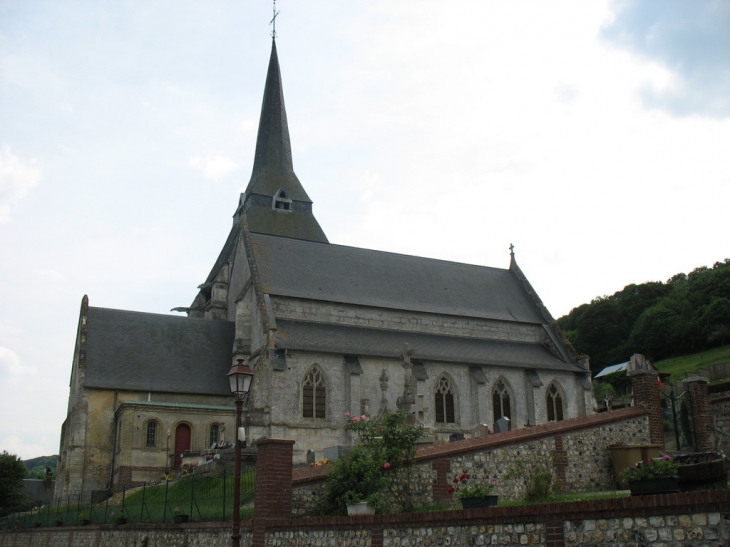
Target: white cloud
x,y
10,364
16,179
213,167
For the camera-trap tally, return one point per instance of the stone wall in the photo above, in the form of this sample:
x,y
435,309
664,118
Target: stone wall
x,y
381,318
581,444
699,519
720,410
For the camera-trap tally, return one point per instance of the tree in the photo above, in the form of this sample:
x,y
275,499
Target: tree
x,y
12,473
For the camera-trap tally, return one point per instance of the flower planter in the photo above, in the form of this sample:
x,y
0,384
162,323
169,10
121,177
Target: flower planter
x,y
660,485
361,508
85,522
58,523
479,502
121,520
179,519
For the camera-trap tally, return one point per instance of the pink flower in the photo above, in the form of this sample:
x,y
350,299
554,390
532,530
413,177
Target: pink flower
x,y
386,465
364,418
356,419
347,414
665,458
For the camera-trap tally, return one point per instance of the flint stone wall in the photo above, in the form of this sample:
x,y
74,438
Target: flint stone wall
x,y
697,519
583,459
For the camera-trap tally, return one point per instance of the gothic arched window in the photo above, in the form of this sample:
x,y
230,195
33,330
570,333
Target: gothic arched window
x,y
444,402
501,401
314,395
554,404
151,434
214,434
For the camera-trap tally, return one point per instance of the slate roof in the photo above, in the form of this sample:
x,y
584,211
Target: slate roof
x,y
337,273
272,165
328,338
137,351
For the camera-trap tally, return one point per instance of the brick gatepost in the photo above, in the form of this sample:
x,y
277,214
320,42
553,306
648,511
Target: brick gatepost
x,y
699,401
442,466
645,385
272,499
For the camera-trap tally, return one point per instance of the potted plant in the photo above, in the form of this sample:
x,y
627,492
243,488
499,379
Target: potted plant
x,y
475,495
120,517
37,523
178,517
84,519
356,505
652,476
58,521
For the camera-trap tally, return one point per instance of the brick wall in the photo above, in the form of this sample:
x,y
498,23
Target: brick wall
x,y
645,386
699,401
689,518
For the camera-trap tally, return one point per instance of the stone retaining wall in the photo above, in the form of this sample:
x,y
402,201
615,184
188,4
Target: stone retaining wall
x,y
720,410
583,459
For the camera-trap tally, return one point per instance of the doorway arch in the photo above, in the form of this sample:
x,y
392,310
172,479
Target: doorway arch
x,y
183,435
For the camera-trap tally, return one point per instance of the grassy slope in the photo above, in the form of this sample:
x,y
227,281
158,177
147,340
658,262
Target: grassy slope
x,y
679,366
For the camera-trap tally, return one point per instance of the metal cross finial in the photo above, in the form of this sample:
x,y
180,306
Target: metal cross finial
x,y
273,22
511,250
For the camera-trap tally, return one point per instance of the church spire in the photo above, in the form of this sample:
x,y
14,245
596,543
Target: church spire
x,y
273,167
275,202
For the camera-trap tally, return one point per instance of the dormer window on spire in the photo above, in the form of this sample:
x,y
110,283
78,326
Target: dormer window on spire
x,y
281,202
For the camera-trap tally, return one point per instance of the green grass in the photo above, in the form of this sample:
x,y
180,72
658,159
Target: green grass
x,y
679,366
202,498
573,496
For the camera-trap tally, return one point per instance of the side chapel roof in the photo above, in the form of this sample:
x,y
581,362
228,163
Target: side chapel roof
x,y
137,351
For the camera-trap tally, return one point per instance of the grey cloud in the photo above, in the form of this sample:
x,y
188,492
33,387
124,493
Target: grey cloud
x,y
689,37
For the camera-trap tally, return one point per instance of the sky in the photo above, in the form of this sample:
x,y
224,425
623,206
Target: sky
x,y
593,136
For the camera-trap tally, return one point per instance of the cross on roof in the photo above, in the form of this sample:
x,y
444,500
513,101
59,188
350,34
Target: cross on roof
x,y
273,21
511,250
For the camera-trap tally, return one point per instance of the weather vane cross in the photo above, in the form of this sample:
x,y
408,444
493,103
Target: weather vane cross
x,y
512,250
273,21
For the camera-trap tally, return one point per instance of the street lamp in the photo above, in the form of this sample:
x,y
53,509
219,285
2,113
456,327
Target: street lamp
x,y
240,377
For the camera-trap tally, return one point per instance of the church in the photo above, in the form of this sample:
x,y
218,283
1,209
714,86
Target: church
x,y
327,329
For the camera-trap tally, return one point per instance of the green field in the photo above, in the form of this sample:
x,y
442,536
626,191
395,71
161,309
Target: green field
x,y
679,366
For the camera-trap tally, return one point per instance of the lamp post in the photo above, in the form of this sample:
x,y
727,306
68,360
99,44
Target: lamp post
x,y
240,377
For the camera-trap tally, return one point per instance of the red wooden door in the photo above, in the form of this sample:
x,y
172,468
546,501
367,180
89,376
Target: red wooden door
x,y
182,442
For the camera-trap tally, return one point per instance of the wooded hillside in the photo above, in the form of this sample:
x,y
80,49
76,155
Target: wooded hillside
x,y
687,313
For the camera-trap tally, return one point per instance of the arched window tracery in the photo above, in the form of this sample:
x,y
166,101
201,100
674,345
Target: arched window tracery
x,y
501,401
314,395
444,402
554,401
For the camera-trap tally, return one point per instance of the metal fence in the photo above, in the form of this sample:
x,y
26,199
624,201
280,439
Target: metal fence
x,y
190,498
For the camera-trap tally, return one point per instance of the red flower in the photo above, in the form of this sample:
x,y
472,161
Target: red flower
x,y
452,489
356,419
456,481
347,414
386,465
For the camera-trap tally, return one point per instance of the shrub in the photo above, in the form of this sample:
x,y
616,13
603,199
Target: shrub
x,y
537,475
379,468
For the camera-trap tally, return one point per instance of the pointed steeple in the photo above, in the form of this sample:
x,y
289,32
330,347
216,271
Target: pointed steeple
x,y
275,202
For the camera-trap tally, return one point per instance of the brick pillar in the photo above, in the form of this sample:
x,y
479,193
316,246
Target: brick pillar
x,y
442,466
554,534
645,385
699,400
273,478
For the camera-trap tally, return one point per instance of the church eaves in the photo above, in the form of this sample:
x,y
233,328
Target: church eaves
x,y
275,202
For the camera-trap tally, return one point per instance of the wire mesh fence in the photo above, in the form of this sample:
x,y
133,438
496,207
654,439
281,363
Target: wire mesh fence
x,y
190,498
